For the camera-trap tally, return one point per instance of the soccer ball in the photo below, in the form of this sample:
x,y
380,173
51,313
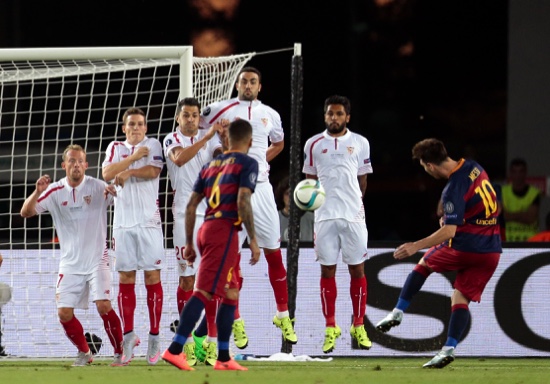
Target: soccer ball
x,y
309,194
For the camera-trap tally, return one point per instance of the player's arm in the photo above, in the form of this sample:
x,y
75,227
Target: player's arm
x,y
181,155
29,206
362,184
111,170
244,207
145,172
444,233
274,149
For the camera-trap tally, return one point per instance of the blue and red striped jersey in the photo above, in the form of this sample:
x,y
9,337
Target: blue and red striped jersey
x,y
470,202
219,181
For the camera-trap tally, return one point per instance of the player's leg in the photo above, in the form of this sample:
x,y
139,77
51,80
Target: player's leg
x,y
72,292
100,286
413,284
354,239
327,248
151,261
210,344
239,334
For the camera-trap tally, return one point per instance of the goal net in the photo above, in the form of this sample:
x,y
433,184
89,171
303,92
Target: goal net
x,y
50,98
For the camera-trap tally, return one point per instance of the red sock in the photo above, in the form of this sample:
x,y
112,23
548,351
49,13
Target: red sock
x,y
75,333
211,311
237,312
358,294
127,305
112,325
277,278
182,297
328,300
154,304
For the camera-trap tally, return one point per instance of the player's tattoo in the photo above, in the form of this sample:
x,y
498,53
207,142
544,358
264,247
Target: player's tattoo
x,y
245,211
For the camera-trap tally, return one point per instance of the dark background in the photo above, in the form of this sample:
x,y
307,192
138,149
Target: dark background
x,y
412,69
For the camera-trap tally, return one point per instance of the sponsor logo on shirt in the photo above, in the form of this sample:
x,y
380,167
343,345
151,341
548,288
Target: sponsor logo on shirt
x,y
366,161
64,203
449,207
157,157
324,150
124,156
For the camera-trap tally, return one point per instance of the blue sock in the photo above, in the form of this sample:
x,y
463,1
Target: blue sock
x,y
412,285
224,322
202,328
188,318
458,323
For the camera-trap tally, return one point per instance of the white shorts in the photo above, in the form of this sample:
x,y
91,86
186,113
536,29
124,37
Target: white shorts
x,y
266,218
333,236
138,248
73,291
179,245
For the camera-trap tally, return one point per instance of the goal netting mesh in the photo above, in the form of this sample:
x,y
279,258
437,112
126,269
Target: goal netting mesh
x,y
46,105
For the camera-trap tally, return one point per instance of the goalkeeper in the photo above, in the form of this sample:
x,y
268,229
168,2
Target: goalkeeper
x,y
78,208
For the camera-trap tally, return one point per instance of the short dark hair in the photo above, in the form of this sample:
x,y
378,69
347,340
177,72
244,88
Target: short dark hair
x,y
133,111
340,100
250,69
190,102
518,162
430,151
240,130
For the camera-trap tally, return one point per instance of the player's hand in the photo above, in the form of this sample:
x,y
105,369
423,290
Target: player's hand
x,y
139,153
121,178
254,252
405,250
189,254
42,183
109,190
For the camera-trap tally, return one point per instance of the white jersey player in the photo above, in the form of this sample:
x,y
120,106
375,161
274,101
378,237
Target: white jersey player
x,y
78,208
134,166
187,150
340,160
267,143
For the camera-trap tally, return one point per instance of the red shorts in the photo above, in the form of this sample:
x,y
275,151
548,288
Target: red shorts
x,y
473,269
218,244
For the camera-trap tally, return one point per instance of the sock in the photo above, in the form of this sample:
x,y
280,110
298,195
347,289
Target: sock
x,y
237,312
154,304
328,300
460,316
127,305
182,298
202,329
358,294
210,313
188,318
412,286
277,278
113,327
224,322
75,333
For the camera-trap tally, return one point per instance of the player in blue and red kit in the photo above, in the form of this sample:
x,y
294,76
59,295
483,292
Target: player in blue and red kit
x,y
227,182
468,242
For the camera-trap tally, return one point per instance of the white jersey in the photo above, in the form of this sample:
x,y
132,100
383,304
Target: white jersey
x,y
137,203
337,161
183,178
80,218
265,121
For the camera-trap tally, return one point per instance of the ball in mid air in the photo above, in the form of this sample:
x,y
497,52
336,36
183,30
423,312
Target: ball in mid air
x,y
309,194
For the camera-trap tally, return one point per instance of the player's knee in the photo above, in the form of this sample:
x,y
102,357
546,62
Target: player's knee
x,y
187,283
65,314
103,307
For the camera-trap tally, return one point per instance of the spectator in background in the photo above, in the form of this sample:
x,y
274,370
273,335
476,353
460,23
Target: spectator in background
x,y
79,210
543,235
282,196
521,203
134,167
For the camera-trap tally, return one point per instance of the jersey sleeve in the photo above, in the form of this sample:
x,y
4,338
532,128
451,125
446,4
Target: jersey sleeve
x,y
214,143
199,185
155,154
309,167
170,142
249,174
454,205
364,166
208,114
111,154
277,134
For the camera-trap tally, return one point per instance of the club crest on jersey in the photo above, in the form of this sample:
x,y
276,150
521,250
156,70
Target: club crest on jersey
x,y
87,199
449,207
350,150
264,121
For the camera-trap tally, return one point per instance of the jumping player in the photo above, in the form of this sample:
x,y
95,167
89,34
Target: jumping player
x,y
267,143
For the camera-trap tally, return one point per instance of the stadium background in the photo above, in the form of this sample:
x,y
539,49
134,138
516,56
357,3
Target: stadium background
x,y
412,68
